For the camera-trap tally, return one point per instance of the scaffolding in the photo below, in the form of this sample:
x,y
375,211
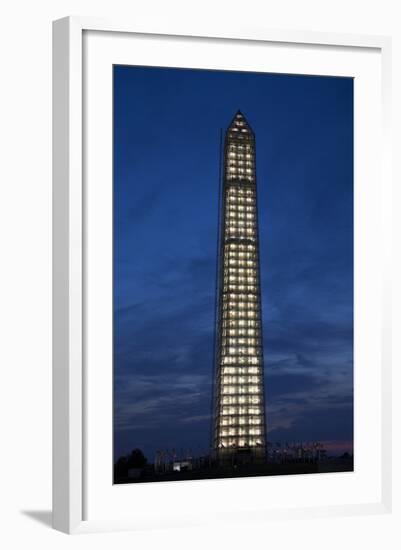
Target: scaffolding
x,y
239,425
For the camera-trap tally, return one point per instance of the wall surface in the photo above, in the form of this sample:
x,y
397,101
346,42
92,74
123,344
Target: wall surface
x,y
25,218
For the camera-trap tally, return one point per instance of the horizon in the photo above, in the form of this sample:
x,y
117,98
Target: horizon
x,y
342,449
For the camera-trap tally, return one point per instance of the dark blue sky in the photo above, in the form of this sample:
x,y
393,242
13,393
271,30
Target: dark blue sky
x,y
166,169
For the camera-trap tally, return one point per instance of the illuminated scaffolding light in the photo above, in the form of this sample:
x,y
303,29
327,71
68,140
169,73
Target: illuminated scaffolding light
x,y
239,419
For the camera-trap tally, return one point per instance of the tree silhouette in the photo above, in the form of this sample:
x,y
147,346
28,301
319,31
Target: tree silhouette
x,y
136,459
121,467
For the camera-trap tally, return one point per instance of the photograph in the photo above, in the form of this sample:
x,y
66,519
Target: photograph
x,y
233,274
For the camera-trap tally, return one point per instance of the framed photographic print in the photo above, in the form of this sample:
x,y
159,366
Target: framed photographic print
x,y
195,405
220,291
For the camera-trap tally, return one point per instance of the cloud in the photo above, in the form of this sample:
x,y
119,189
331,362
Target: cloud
x,y
316,423
197,418
164,368
284,384
142,401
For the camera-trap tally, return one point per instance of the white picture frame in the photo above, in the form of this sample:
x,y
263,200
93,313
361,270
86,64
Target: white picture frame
x,y
70,257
